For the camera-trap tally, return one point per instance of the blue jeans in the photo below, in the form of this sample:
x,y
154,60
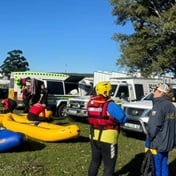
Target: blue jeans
x,y
161,164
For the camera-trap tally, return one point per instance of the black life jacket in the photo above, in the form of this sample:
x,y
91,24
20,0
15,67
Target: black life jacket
x,y
98,116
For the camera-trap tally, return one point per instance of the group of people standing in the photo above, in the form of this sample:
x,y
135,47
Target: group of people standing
x,y
28,99
34,109
38,107
105,118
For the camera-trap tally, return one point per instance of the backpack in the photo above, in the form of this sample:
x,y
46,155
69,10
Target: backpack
x,y
148,167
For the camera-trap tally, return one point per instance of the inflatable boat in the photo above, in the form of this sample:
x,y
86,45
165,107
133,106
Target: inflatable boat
x,y
10,139
43,131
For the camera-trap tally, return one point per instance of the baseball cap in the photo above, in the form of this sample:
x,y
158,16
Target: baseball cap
x,y
163,88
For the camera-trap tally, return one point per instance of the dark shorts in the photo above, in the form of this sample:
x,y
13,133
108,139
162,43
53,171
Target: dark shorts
x,y
33,117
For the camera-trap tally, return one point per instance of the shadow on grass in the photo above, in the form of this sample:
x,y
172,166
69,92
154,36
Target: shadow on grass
x,y
62,123
132,134
80,139
172,170
133,167
78,119
28,145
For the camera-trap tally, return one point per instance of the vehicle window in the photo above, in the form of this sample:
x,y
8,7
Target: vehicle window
x,y
139,91
55,87
114,87
123,92
149,97
70,86
91,91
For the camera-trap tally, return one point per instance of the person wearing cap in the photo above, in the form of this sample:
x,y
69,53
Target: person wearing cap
x,y
161,128
104,117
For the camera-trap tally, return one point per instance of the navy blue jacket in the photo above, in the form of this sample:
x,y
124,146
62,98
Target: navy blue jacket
x,y
162,125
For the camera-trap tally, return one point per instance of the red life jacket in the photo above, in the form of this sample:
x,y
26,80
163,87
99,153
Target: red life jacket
x,y
98,116
37,109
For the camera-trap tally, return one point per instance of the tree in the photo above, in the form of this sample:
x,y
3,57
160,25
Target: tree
x,y
151,49
14,62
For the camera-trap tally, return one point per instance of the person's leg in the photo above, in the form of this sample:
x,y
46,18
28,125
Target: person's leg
x,y
109,152
157,161
26,105
31,117
96,158
164,164
42,119
12,106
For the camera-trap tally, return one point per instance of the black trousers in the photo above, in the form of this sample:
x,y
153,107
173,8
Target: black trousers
x,y
12,106
26,105
103,152
34,117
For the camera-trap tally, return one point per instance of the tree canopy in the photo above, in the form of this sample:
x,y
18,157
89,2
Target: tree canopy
x,y
14,62
151,49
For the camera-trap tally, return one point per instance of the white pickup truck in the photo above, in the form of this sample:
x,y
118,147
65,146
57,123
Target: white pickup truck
x,y
136,110
138,113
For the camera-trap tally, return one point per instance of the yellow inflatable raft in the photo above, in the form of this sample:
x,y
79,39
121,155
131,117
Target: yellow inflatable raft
x,y
44,131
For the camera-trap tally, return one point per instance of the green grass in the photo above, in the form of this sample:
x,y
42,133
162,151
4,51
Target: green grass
x,y
72,157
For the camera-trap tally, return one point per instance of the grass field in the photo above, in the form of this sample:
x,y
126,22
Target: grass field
x,y
72,157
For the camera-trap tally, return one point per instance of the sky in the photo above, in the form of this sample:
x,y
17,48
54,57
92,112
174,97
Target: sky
x,y
61,35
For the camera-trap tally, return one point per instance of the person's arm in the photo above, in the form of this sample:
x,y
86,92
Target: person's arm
x,y
116,111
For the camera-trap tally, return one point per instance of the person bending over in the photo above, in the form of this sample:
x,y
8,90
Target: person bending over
x,y
35,111
9,105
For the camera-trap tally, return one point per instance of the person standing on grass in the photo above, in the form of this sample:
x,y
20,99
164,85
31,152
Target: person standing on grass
x,y
104,117
43,94
9,105
161,128
26,94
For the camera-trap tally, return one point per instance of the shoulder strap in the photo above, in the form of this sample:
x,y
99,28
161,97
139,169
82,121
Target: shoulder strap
x,y
147,166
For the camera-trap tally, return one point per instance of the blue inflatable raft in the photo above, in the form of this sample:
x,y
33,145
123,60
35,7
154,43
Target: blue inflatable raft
x,y
10,139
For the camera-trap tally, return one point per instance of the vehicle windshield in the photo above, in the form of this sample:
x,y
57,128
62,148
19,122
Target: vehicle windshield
x,y
114,87
148,97
91,91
